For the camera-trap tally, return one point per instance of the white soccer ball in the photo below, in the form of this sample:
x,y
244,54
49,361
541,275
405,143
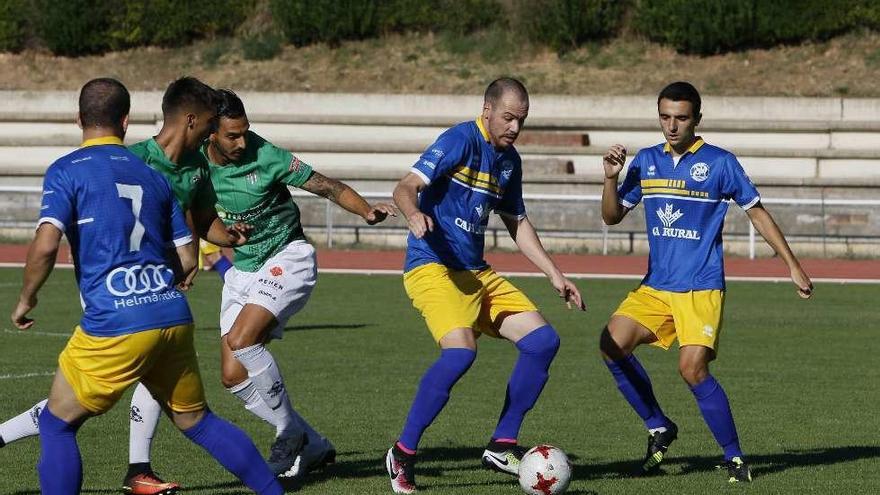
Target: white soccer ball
x,y
544,470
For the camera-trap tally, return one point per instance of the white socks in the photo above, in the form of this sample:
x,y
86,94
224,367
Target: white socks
x,y
264,375
24,425
253,402
143,419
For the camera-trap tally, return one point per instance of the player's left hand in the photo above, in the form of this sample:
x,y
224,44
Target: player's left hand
x,y
379,212
239,233
803,283
19,314
569,293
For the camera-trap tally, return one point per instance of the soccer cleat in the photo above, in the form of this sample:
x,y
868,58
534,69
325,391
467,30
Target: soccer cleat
x,y
401,469
284,452
503,457
2,442
658,444
737,470
149,484
314,455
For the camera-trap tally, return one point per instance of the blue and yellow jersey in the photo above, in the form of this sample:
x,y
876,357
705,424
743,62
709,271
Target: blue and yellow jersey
x,y
685,205
466,179
119,216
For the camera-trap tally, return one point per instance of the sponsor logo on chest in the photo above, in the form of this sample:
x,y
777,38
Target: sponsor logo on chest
x,y
668,217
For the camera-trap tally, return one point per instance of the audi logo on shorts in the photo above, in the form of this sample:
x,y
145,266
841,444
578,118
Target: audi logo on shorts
x,y
138,279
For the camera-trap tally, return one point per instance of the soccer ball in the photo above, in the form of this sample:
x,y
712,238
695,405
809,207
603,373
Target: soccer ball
x,y
544,470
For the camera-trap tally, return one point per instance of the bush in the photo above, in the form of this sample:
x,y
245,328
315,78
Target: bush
x,y
712,26
565,24
261,47
78,27
332,21
13,14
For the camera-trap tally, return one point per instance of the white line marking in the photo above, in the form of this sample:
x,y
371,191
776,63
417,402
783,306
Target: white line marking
x,y
85,220
613,276
27,375
35,332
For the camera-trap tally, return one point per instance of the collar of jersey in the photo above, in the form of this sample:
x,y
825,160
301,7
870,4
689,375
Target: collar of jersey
x,y
482,129
101,140
693,149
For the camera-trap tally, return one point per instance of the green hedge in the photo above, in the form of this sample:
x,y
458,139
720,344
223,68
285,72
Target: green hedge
x,y
332,21
13,15
565,24
79,27
712,26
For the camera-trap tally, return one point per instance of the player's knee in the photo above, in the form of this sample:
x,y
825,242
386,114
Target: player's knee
x,y
609,348
693,372
185,421
541,341
238,340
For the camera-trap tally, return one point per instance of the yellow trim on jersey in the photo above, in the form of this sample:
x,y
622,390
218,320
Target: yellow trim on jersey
x,y
693,149
675,192
477,179
98,141
678,184
483,130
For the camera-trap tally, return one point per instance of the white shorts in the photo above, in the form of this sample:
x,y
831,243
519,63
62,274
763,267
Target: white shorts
x,y
282,285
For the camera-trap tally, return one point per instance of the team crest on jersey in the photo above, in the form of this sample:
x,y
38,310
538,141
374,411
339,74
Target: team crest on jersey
x,y
195,178
276,271
437,152
295,164
652,171
482,212
699,172
252,178
506,169
669,217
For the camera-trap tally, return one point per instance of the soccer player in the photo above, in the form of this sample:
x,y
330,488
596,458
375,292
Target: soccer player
x,y
130,245
686,184
189,109
471,170
273,275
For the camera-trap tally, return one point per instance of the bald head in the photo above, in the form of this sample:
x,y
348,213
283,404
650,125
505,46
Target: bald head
x,y
103,102
504,86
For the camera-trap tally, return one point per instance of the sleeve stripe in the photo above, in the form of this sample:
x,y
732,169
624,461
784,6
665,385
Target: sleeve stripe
x,y
626,203
511,215
183,241
54,221
751,203
421,175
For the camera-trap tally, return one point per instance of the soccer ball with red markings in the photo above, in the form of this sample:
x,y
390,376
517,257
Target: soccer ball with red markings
x,y
544,470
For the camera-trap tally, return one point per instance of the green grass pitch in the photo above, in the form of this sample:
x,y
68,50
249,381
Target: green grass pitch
x,y
801,375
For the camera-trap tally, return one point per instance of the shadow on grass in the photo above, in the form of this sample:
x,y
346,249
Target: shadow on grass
x,y
762,464
328,326
434,464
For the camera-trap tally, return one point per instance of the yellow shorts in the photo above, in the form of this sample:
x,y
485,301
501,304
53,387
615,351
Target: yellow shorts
x,y
206,249
450,299
100,369
694,317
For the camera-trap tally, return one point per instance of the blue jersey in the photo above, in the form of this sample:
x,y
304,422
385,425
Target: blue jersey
x,y
120,217
466,178
685,205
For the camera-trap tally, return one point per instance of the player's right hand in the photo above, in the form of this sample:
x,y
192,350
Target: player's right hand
x,y
19,314
614,160
420,224
239,233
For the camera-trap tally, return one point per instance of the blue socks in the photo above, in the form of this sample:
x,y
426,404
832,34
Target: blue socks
x,y
234,451
635,385
536,352
716,412
60,466
433,393
222,266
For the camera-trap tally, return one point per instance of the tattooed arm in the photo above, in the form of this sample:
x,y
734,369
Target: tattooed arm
x,y
346,197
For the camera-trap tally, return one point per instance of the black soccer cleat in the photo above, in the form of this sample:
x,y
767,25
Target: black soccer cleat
x,y
737,470
503,457
401,470
2,442
658,444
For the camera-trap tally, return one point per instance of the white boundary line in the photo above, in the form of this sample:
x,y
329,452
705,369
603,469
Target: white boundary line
x,y
36,332
588,276
612,276
27,375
